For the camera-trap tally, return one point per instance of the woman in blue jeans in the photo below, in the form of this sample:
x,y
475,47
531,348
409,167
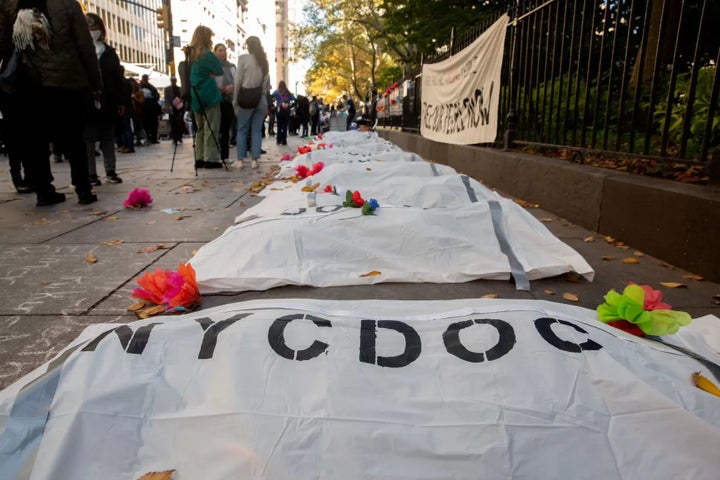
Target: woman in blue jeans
x,y
252,72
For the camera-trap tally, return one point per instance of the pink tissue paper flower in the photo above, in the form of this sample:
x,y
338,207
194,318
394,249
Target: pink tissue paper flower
x,y
138,198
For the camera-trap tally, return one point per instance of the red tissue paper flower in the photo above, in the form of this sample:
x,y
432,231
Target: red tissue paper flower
x,y
138,198
302,171
286,157
176,291
304,149
357,199
320,136
317,168
328,189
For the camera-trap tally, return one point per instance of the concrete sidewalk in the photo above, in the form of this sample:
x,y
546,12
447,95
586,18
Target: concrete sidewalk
x,y
49,291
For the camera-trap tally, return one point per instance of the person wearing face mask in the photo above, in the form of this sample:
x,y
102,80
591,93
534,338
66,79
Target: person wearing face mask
x,y
104,114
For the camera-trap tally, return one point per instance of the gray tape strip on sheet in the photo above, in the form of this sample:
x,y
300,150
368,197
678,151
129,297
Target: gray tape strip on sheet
x,y
470,190
25,427
516,269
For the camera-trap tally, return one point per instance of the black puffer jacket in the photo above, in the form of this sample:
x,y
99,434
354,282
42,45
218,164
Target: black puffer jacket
x,y
70,62
112,88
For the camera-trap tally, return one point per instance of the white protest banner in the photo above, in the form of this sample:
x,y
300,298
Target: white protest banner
x,y
461,95
402,390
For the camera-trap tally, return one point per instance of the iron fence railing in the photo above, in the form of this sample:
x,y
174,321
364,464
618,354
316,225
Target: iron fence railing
x,y
637,77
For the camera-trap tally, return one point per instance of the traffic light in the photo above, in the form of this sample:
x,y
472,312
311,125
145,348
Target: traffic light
x,y
162,17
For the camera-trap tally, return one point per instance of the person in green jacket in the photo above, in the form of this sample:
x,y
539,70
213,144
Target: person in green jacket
x,y
205,98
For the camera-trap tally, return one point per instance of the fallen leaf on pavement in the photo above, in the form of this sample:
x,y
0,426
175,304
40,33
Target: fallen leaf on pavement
x,y
97,213
152,248
193,252
110,219
673,285
692,276
546,220
630,260
150,311
166,475
180,217
490,295
609,239
571,297
43,221
608,257
374,273
112,243
638,253
549,292
573,277
44,282
589,239
90,258
136,306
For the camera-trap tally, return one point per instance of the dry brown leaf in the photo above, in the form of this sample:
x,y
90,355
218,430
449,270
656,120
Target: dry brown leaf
x,y
589,239
181,217
150,311
571,297
573,277
673,285
44,282
619,244
490,295
110,218
152,248
703,383
546,220
608,257
112,243
638,253
43,221
97,213
374,273
692,276
90,258
310,188
136,306
549,292
630,260
193,252
166,475
609,239
241,204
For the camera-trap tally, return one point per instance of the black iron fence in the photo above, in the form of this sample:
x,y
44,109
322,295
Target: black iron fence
x,y
637,77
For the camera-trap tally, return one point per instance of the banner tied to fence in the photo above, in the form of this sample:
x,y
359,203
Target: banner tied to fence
x,y
460,96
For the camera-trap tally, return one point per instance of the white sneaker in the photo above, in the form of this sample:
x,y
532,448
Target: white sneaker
x,y
254,164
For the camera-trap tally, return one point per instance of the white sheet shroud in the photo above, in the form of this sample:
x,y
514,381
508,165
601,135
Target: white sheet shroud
x,y
433,226
534,411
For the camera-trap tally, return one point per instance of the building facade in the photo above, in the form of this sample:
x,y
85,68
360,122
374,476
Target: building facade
x,y
132,31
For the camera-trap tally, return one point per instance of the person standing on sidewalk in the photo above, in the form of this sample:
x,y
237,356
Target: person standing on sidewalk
x,y
252,72
151,109
205,97
125,130
226,85
350,109
175,108
283,99
105,113
59,76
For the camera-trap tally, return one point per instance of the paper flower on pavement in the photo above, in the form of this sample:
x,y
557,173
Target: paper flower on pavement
x,y
138,198
286,157
176,291
640,311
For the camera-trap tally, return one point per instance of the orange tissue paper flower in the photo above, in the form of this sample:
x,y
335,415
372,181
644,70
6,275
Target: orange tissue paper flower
x,y
177,291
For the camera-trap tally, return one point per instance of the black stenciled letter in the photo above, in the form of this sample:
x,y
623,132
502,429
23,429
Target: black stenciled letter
x,y
276,338
212,330
544,328
454,346
131,343
368,339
